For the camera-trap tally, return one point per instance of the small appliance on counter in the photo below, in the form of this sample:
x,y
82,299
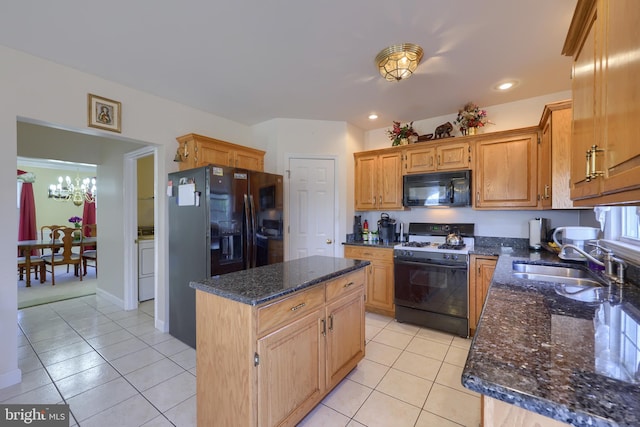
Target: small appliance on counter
x,y
357,228
386,229
538,228
576,236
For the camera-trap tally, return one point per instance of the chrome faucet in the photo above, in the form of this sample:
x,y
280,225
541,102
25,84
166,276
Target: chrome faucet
x,y
608,262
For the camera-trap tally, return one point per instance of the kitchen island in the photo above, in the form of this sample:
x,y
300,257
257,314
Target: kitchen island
x,y
273,341
538,352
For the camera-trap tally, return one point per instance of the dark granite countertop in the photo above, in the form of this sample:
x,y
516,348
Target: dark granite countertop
x,y
259,285
572,361
372,245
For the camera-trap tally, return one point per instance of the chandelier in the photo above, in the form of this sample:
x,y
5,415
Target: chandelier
x,y
77,193
399,61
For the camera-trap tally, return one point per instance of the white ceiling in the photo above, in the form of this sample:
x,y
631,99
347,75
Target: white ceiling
x,y
255,60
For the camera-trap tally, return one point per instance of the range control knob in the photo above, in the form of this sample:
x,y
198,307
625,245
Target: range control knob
x,y
445,256
454,257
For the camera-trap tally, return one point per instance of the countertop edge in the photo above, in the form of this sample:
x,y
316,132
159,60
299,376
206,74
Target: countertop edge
x,y
273,296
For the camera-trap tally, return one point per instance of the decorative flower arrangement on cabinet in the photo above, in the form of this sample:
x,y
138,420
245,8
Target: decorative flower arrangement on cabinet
x,y
402,134
471,117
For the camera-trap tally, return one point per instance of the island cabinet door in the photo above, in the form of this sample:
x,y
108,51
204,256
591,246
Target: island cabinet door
x,y
291,371
345,335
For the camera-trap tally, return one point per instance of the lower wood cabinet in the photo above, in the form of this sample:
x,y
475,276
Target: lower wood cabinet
x,y
270,365
380,285
291,371
481,270
498,413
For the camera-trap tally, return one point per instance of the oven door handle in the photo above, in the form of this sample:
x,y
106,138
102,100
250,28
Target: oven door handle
x,y
428,264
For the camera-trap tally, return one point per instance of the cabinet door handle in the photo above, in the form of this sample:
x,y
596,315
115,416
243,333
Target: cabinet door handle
x,y
438,159
478,197
588,172
324,328
380,200
298,307
367,253
331,322
346,285
546,191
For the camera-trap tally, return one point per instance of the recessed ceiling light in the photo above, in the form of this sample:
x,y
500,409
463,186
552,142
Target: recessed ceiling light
x,y
506,85
373,116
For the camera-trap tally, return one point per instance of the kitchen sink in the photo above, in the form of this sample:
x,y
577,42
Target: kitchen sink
x,y
575,283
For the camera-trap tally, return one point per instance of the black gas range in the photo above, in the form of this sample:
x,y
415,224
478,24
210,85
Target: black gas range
x,y
431,277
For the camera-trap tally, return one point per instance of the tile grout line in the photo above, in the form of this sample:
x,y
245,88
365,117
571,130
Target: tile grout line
x,y
101,356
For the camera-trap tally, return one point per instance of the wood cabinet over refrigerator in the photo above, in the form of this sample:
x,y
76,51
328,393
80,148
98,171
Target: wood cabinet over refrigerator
x,y
197,150
604,40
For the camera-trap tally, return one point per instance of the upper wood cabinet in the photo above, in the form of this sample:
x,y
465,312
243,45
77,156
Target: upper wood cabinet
x,y
554,156
603,39
505,172
197,150
430,157
378,180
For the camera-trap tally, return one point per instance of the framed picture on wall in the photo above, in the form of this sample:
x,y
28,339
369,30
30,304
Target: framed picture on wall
x,y
104,113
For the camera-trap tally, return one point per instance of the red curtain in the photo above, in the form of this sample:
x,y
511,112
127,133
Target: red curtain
x,y
88,216
27,227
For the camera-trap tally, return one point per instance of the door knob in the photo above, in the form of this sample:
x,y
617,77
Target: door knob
x,y
329,241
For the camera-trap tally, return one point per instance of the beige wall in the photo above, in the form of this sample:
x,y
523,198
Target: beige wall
x,y
43,92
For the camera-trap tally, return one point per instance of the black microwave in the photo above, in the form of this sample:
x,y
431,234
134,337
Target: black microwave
x,y
437,189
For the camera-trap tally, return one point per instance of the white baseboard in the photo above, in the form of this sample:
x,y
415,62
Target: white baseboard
x,y
161,325
10,378
110,297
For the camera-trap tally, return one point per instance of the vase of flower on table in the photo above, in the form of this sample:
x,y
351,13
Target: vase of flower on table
x,y
77,224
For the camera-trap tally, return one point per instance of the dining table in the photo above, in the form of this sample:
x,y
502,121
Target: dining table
x,y
27,246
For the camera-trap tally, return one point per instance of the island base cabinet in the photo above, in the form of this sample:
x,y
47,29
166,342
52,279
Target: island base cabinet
x,y
496,413
291,371
269,365
345,336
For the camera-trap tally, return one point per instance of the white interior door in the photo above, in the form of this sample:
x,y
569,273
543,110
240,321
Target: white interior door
x,y
312,210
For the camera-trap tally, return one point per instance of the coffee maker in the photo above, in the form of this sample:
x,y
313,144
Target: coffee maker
x,y
357,228
386,229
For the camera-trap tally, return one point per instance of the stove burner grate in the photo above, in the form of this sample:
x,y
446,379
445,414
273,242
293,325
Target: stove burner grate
x,y
417,244
449,246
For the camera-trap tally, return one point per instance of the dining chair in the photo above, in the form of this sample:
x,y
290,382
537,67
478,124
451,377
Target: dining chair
x,y
90,253
65,256
35,263
48,232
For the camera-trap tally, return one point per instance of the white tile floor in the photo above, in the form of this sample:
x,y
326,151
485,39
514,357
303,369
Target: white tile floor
x,y
113,368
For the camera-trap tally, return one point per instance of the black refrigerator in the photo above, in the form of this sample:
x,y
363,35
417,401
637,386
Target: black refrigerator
x,y
221,220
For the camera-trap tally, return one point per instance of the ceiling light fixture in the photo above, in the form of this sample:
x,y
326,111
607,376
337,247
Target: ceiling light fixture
x,y
399,61
505,86
373,116
77,193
